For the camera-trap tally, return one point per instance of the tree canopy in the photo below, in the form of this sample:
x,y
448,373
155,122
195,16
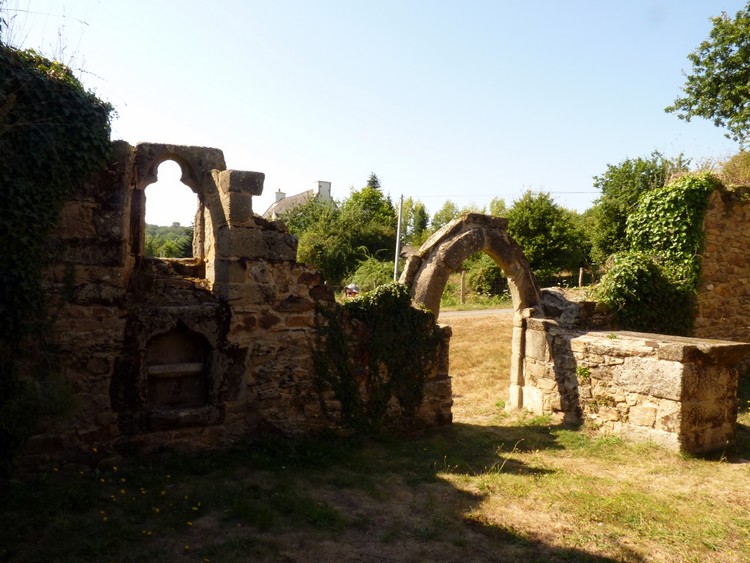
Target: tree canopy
x,y
547,234
621,186
336,239
718,88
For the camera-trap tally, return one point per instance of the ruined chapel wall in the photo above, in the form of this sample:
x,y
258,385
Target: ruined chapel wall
x,y
724,293
244,319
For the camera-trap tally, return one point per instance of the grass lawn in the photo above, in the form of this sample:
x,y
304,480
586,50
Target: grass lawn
x,y
493,487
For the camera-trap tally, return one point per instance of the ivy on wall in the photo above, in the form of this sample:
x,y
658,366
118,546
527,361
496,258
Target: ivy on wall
x,y
652,286
372,349
54,135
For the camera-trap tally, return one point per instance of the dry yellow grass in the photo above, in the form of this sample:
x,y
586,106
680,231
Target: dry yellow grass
x,y
479,364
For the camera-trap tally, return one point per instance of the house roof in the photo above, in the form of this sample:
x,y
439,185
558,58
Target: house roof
x,y
280,207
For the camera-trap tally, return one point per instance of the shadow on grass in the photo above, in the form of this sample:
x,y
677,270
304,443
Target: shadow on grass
x,y
375,497
378,497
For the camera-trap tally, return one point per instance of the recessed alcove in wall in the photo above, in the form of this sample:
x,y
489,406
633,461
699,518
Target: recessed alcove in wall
x,y
177,364
170,212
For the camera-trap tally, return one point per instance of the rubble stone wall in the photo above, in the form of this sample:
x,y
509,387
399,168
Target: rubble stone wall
x,y
724,294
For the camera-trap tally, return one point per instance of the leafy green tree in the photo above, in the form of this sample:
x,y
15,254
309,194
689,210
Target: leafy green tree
x,y
371,273
444,215
336,239
498,207
371,219
414,222
327,245
547,234
621,186
484,275
300,218
175,241
717,89
418,224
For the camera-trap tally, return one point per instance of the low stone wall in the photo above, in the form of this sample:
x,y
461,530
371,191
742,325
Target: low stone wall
x,y
678,392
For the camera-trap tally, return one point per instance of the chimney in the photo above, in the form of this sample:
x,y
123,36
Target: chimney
x,y
279,196
324,190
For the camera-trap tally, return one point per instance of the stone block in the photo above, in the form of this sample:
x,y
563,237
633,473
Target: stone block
x,y
642,416
238,209
251,243
533,399
536,345
546,384
646,376
241,182
515,397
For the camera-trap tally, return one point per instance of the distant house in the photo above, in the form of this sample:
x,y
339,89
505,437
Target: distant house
x,y
284,204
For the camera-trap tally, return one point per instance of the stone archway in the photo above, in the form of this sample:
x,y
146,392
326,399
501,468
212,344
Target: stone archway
x,y
426,274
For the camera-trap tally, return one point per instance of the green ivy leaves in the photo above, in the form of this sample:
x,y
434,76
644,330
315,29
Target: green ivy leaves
x,y
374,348
53,137
652,286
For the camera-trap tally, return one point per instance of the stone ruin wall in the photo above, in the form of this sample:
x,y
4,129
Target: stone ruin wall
x,y
192,353
678,392
724,294
226,336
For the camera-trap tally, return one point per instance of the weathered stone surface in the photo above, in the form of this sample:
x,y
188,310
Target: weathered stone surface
x,y
427,271
724,293
190,353
680,392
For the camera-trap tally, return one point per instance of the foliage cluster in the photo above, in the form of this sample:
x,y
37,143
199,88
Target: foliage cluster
x,y
484,276
652,285
717,88
53,136
174,241
621,187
336,238
735,172
372,273
548,233
372,349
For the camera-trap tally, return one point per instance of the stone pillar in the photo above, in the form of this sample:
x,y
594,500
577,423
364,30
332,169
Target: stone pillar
x,y
515,401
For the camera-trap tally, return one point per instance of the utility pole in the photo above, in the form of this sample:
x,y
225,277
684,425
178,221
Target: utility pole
x,y
398,238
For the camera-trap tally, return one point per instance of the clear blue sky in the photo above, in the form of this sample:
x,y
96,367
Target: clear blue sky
x,y
463,100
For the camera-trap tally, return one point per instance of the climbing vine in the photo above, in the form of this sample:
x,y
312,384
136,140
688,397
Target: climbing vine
x,y
53,136
372,349
653,285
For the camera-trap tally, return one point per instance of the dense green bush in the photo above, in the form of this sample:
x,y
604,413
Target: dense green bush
x,y
175,241
644,295
484,276
652,286
372,273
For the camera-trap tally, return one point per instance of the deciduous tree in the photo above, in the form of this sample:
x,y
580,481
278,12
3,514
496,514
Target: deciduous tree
x,y
718,88
546,233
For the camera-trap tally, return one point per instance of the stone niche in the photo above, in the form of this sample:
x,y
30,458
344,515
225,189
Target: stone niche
x,y
177,365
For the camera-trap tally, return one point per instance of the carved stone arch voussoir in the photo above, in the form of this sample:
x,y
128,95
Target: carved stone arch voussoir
x,y
426,272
